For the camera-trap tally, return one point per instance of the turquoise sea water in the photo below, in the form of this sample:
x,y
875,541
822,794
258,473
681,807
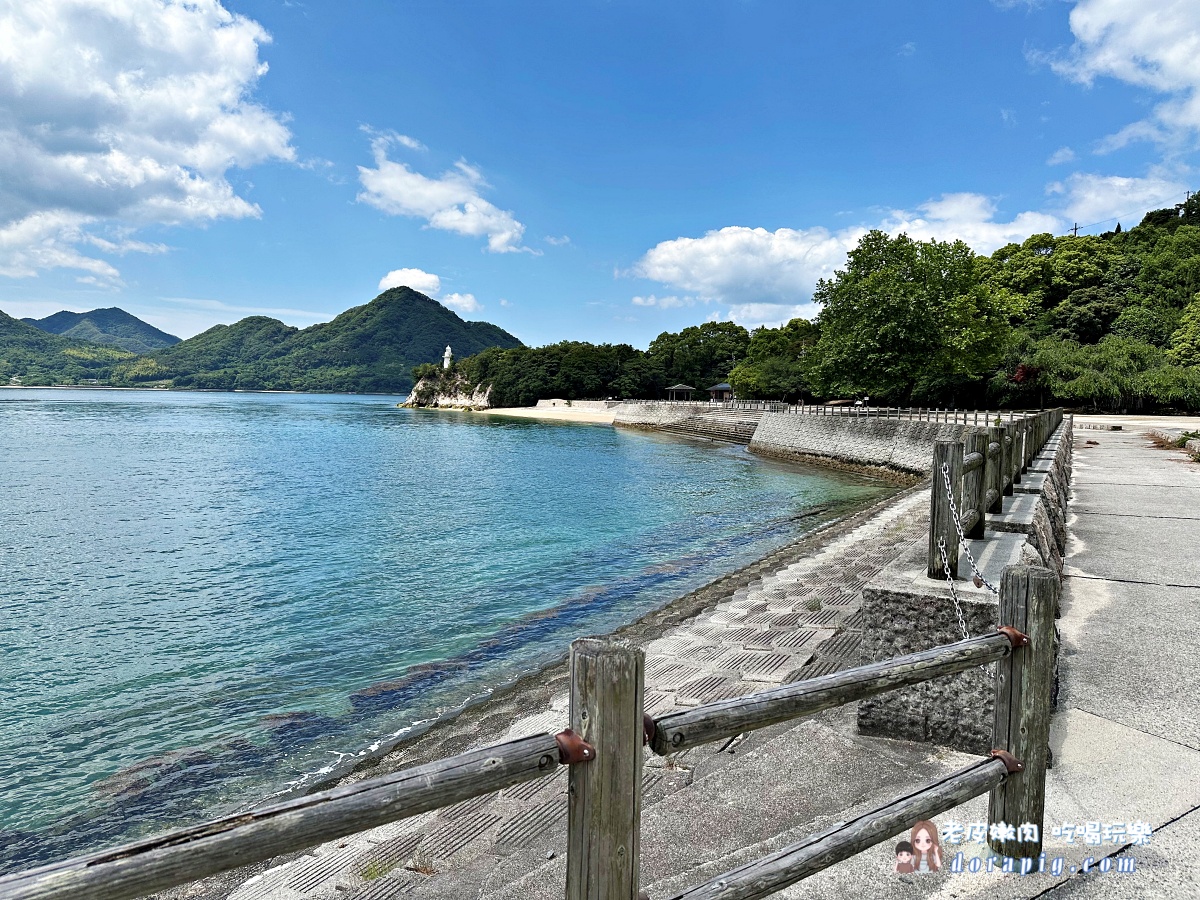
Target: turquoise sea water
x,y
205,598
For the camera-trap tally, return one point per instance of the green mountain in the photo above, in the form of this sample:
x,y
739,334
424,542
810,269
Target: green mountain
x,y
29,355
370,348
111,326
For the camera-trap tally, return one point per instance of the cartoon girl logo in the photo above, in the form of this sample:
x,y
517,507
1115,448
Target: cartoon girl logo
x,y
927,852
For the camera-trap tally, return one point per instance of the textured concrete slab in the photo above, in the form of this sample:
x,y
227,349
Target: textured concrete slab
x,y
1017,515
1129,653
1144,501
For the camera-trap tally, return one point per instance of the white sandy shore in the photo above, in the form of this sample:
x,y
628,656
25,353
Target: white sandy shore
x,y
557,414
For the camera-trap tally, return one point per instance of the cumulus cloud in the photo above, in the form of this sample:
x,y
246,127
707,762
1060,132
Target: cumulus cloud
x,y
669,302
769,276
1088,198
1154,44
464,303
969,218
450,201
123,113
769,315
431,286
425,282
740,264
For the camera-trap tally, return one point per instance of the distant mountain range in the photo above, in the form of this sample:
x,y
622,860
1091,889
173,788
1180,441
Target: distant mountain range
x,y
110,326
369,348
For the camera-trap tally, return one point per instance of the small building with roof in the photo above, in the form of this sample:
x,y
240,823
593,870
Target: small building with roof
x,y
721,392
680,392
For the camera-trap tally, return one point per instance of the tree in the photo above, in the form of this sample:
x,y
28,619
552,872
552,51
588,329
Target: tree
x,y
1185,342
774,367
907,320
701,355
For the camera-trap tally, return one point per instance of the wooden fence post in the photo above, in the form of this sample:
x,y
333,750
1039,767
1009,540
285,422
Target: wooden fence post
x,y
1006,458
605,796
1028,598
975,483
994,471
941,520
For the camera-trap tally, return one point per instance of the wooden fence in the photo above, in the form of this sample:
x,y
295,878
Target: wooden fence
x,y
604,749
973,476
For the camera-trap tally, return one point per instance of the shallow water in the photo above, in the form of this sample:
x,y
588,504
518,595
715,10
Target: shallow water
x,y
208,597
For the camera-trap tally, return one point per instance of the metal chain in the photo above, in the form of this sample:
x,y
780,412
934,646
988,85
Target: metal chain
x,y
962,622
962,539
941,544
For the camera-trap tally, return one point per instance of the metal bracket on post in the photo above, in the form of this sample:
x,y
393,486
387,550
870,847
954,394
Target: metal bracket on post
x,y
572,748
1016,638
1011,763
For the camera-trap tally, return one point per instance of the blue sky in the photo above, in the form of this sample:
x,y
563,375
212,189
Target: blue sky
x,y
597,171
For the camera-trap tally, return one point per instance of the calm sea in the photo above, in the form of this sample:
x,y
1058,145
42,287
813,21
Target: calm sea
x,y
206,598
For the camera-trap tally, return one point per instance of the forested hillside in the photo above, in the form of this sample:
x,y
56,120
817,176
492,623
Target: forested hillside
x,y
1107,321
110,326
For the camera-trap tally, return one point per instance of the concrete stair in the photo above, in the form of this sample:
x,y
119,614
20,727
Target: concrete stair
x,y
735,426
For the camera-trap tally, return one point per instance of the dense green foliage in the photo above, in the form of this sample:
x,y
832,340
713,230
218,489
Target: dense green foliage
x,y
907,320
774,367
700,355
29,355
370,348
113,327
1106,321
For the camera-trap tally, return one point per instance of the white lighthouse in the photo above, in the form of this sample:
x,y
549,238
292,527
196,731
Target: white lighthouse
x,y
447,357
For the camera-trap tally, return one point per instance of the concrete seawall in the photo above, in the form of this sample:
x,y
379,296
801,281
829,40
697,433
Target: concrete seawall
x,y
867,443
655,415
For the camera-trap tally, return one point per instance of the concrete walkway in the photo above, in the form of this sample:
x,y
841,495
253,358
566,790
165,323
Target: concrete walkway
x,y
1130,678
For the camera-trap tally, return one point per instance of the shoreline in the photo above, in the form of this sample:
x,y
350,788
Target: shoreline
x,y
486,719
556,414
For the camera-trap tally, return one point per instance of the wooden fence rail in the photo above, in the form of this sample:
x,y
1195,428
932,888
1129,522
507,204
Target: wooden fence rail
x,y
604,749
179,857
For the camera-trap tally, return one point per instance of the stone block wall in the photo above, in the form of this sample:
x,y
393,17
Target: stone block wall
x,y
638,414
894,444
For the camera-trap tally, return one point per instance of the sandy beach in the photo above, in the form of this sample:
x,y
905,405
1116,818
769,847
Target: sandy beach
x,y
557,414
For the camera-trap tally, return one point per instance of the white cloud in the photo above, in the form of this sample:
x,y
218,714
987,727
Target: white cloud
x,y
464,303
557,241
769,276
770,315
504,302
120,114
450,202
1088,198
740,264
907,49
425,282
669,302
1060,156
1154,44
969,218
431,285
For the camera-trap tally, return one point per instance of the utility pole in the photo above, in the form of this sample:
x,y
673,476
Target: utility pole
x,y
1075,230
